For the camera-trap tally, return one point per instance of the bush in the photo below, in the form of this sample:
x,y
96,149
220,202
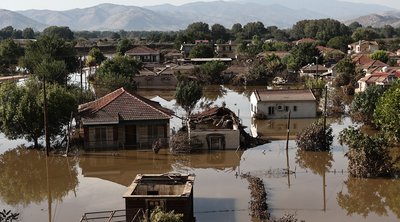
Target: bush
x,y
314,138
159,215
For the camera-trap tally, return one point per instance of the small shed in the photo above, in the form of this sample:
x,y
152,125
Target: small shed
x,y
275,104
171,191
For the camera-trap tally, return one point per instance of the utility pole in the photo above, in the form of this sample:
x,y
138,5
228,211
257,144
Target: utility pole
x,y
46,124
325,104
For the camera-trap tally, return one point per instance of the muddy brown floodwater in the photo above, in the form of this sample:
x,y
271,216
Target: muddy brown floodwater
x,y
61,189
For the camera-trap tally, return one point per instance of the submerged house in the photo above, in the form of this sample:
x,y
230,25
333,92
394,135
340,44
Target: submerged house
x,y
144,54
216,129
170,192
123,120
275,104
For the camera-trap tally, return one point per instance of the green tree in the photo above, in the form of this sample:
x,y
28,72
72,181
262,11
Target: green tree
x,y
354,25
59,31
304,54
368,156
28,33
364,34
117,72
346,72
363,105
123,45
380,55
95,57
22,111
211,71
188,94
254,28
202,51
340,42
9,55
386,113
50,49
315,137
198,31
219,32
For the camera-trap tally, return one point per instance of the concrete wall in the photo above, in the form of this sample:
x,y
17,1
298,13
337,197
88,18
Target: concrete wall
x,y
300,109
232,137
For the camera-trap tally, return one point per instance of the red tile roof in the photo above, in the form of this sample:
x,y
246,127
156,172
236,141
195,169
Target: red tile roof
x,y
121,105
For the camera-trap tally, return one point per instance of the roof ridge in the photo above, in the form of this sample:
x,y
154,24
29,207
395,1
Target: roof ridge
x,y
107,98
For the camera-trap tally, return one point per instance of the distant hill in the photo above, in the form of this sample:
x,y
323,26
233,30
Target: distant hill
x,y
378,20
281,13
18,21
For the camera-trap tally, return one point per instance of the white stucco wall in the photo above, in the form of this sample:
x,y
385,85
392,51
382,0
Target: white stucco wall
x,y
232,137
304,109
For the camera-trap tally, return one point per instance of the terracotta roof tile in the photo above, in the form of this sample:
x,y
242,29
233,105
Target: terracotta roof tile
x,y
141,50
121,105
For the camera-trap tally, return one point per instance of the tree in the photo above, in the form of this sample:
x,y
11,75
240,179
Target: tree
x,y
22,111
202,51
354,25
340,42
62,32
9,55
8,216
254,28
117,72
188,94
28,33
364,34
386,113
315,137
346,72
123,45
211,71
363,105
219,32
380,55
95,57
368,156
304,54
48,48
198,30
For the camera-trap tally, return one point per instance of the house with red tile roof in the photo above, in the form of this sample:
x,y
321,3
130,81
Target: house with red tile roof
x,y
144,54
384,78
363,46
123,120
304,40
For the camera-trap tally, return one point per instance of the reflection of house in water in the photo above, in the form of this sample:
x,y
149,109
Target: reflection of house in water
x,y
170,192
277,128
215,129
123,120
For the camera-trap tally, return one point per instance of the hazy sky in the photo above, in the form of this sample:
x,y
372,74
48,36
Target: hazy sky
x,y
69,4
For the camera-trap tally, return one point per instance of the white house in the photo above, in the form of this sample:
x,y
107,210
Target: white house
x,y
275,104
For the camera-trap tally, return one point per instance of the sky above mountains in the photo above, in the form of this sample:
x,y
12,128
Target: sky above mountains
x,y
70,4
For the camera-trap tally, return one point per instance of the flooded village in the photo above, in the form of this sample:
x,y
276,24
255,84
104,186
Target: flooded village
x,y
200,127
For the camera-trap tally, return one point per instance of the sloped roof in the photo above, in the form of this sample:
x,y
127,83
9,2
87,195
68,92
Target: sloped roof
x,y
284,95
121,105
305,40
313,68
141,50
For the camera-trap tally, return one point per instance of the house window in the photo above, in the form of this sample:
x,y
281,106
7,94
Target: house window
x,y
271,110
295,108
100,134
286,108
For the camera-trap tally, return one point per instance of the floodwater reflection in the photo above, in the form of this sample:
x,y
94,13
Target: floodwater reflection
x,y
368,196
277,128
318,162
26,177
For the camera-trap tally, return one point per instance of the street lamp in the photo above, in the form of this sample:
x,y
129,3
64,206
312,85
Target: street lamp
x,y
316,62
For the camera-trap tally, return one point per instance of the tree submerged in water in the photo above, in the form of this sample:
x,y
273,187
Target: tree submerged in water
x,y
369,156
315,137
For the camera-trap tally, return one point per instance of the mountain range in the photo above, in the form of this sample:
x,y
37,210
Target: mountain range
x,y
281,13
